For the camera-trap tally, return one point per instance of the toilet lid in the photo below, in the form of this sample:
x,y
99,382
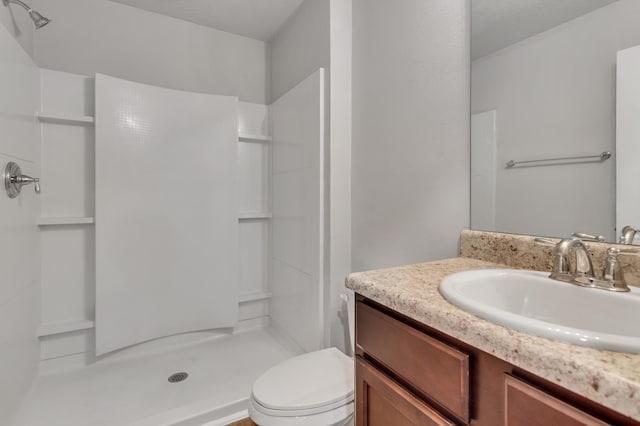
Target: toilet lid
x,y
312,380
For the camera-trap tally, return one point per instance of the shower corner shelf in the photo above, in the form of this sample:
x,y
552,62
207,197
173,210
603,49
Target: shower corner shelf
x,y
67,326
48,221
54,117
246,137
253,215
252,297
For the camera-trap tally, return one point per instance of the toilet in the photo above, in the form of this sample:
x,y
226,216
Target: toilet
x,y
313,389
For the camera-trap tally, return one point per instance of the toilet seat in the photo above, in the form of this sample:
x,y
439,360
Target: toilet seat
x,y
341,416
306,385
299,412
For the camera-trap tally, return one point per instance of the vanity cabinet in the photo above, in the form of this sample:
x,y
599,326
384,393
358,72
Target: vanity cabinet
x,y
527,405
410,374
382,401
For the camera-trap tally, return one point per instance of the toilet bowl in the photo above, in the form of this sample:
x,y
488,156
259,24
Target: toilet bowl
x,y
313,389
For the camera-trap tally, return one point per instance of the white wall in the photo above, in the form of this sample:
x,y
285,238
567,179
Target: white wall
x,y
339,170
19,252
410,130
555,96
318,35
300,47
89,36
19,25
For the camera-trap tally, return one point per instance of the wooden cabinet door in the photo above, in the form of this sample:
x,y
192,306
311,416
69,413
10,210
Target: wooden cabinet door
x,y
430,366
380,401
526,405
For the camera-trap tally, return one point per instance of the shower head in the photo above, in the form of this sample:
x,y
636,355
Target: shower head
x,y
38,20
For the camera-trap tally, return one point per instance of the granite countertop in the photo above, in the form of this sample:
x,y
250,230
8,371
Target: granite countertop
x,y
609,378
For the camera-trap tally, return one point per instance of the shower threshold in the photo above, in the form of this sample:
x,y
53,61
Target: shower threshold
x,y
136,392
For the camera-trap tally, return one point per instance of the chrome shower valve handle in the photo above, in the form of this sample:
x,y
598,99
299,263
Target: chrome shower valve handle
x,y
14,180
25,180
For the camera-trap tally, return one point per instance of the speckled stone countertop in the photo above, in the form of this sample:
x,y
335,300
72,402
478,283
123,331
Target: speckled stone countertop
x,y
609,378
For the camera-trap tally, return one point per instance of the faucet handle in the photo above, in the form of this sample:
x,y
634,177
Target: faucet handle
x,y
25,180
613,273
541,241
588,237
627,252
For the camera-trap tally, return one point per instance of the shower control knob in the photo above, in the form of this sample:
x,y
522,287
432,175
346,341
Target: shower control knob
x,y
14,180
25,180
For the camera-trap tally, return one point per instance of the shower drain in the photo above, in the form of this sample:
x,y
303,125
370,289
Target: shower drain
x,y
178,377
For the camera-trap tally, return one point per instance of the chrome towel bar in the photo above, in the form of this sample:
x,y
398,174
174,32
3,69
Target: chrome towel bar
x,y
603,156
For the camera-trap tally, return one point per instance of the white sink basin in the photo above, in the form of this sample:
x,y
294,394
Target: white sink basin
x,y
531,302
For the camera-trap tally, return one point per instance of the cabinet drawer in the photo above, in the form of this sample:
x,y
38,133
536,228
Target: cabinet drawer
x,y
530,406
438,370
380,401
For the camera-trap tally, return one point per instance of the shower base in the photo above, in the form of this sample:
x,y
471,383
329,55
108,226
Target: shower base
x,y
136,391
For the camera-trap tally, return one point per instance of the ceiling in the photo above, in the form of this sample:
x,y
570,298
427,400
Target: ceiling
x,y
495,23
258,19
499,23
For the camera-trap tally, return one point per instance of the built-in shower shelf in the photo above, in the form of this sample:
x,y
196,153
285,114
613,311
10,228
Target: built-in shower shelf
x,y
252,297
54,117
47,221
246,137
67,326
253,215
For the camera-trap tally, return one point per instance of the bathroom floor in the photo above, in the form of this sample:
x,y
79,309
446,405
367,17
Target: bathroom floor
x,y
243,422
136,392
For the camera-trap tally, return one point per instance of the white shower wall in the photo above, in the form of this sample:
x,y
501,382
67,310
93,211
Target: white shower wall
x,y
166,212
19,26
19,252
68,256
298,213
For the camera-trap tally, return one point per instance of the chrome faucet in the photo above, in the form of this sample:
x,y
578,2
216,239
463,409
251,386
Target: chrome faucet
x,y
628,234
572,260
572,264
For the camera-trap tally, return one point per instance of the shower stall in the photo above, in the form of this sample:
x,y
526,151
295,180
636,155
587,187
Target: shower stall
x,y
180,233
